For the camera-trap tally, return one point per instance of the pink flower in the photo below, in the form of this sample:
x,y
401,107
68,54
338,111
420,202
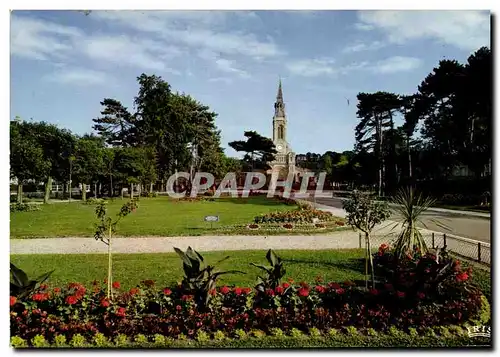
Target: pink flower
x,y
420,295
104,303
462,277
340,291
167,291
400,294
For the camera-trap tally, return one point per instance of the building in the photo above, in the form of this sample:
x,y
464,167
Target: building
x,y
284,163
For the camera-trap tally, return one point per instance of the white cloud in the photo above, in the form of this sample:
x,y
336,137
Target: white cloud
x,y
124,50
41,40
221,79
318,67
362,46
222,64
396,64
78,76
467,30
312,67
197,29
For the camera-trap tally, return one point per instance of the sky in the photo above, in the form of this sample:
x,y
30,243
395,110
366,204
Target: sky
x,y
63,63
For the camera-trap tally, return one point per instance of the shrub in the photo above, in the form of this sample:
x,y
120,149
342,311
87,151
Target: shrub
x,y
21,286
253,226
94,201
273,273
288,226
24,207
295,216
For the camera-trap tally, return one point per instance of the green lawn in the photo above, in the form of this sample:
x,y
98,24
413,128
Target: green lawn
x,y
154,217
166,269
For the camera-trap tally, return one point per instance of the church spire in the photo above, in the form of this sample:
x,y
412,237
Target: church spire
x,y
279,97
279,106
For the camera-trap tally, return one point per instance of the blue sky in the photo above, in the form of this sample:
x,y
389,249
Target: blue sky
x,y
64,63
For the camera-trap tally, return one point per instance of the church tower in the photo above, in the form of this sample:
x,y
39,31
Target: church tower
x,y
285,158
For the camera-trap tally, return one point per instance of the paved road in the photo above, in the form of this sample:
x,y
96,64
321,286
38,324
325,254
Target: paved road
x,y
478,228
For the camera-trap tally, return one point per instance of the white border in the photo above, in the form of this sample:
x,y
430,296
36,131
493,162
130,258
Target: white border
x,y
183,5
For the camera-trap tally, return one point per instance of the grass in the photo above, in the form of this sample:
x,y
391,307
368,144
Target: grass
x,y
166,269
155,217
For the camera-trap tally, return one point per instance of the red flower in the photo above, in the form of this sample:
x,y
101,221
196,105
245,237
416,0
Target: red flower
x,y
400,294
420,295
237,291
374,291
121,311
13,300
71,300
303,292
279,290
40,297
340,291
383,247
270,292
43,286
212,292
246,291
167,291
57,290
462,277
178,307
104,303
319,289
116,285
225,290
134,291
286,285
334,286
186,297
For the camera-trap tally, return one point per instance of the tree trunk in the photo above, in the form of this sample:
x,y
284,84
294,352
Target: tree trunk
x,y
131,190
19,192
48,189
410,173
65,190
100,189
84,192
122,192
151,187
95,189
367,237
111,186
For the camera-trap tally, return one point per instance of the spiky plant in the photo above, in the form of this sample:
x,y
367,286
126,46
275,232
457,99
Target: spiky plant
x,y
410,207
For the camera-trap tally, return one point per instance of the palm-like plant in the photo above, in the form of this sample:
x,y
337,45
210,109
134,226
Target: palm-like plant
x,y
410,207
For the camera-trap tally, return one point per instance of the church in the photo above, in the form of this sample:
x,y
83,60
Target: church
x,y
284,163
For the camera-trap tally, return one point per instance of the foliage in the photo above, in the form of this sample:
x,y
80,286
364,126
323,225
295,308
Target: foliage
x,y
21,286
260,150
364,214
295,216
410,208
79,313
199,280
274,273
24,207
105,230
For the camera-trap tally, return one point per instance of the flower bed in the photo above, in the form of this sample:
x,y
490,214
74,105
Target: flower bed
x,y
295,216
169,312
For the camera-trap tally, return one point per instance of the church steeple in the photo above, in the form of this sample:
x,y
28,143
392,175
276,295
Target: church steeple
x,y
279,97
279,106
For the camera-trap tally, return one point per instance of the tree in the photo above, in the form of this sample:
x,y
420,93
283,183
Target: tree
x,y
88,162
364,214
117,124
27,161
260,150
375,111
